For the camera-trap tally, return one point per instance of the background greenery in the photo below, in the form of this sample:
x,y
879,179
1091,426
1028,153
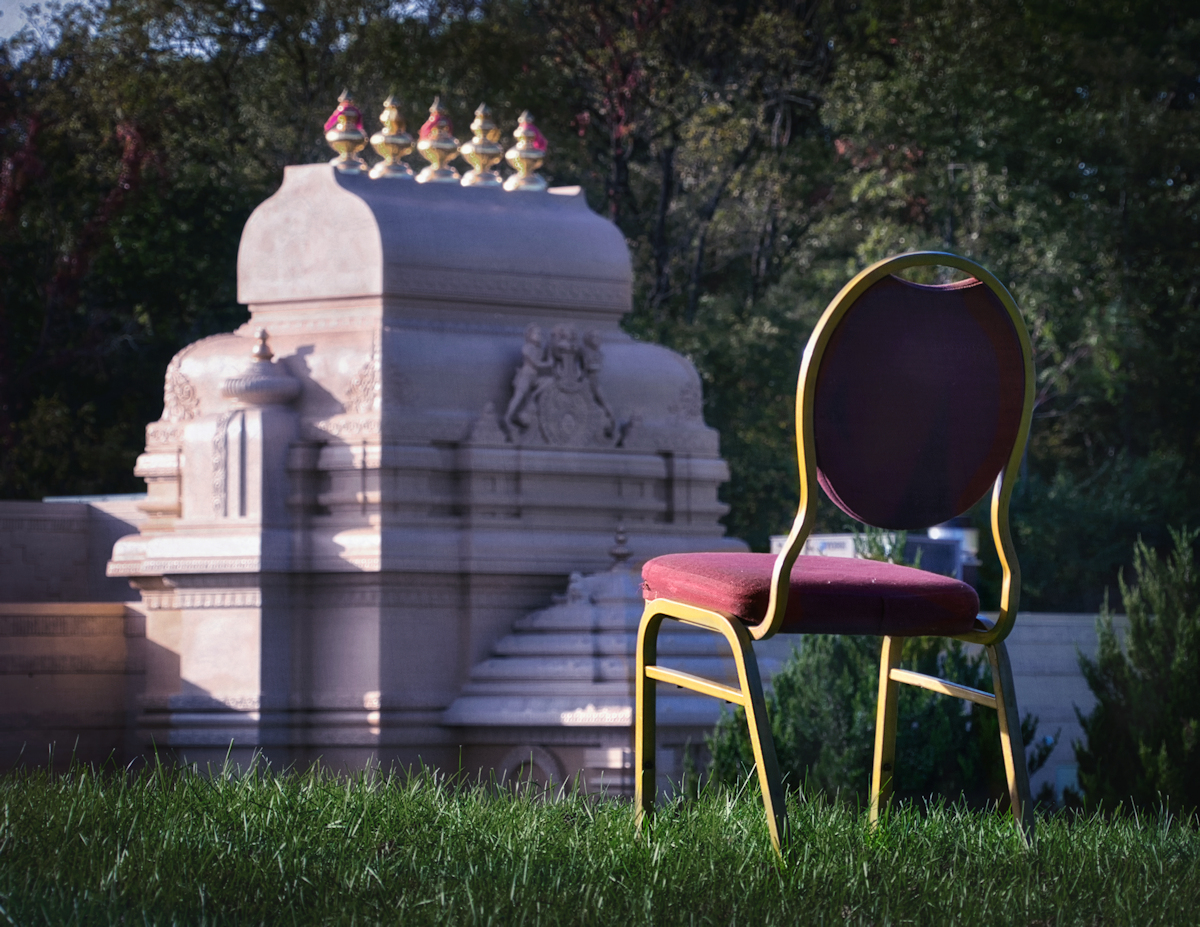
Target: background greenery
x,y
822,712
822,709
754,153
1141,746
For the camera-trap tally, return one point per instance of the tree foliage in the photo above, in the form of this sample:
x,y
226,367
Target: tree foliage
x,y
1142,737
755,155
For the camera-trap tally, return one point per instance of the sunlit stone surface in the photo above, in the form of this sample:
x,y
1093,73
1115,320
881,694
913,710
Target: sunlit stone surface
x,y
469,425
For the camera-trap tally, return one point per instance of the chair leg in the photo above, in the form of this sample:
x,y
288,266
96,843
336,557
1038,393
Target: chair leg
x,y
644,767
761,740
886,710
1011,743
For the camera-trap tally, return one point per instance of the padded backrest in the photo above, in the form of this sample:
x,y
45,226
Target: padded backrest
x,y
918,402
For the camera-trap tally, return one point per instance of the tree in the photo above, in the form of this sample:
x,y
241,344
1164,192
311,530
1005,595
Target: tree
x,y
1140,744
1057,147
755,155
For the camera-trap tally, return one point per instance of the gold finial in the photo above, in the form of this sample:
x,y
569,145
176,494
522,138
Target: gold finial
x,y
345,135
392,144
261,351
483,151
526,156
438,146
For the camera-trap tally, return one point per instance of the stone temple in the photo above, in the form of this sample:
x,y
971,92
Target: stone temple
x,y
441,422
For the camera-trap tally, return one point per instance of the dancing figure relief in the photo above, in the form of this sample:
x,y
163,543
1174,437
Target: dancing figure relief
x,y
535,366
557,387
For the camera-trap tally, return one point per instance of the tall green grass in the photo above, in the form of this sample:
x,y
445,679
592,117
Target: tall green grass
x,y
176,847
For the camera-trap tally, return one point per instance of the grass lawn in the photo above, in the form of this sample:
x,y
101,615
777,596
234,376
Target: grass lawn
x,y
174,847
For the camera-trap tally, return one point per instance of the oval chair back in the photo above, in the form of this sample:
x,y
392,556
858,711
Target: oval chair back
x,y
918,402
912,400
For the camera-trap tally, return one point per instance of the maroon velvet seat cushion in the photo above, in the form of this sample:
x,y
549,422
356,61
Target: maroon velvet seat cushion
x,y
829,595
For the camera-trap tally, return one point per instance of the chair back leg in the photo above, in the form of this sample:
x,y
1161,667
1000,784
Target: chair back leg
x,y
1011,743
886,711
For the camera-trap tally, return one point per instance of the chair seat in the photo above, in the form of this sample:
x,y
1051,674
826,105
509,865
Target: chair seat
x,y
829,595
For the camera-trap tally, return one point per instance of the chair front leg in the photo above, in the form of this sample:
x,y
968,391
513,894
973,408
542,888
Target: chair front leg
x,y
761,739
1011,743
887,708
644,767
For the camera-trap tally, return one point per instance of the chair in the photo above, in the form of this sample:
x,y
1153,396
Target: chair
x,y
911,401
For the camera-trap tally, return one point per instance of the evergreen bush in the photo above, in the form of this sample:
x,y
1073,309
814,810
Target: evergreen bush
x,y
822,712
1140,743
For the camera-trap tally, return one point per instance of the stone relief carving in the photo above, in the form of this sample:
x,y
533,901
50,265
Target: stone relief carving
x,y
220,464
157,601
557,389
515,289
180,402
534,366
214,703
486,428
194,565
339,427
365,385
593,360
164,434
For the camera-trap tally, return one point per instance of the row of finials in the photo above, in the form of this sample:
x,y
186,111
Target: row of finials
x,y
436,144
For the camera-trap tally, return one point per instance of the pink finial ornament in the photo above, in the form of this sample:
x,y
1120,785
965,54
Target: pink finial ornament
x,y
345,134
349,111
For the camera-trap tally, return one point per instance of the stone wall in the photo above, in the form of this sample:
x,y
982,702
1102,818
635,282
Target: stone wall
x,y
71,639
70,675
56,551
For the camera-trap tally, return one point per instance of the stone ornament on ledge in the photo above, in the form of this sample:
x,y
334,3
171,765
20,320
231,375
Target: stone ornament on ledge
x,y
392,144
483,151
438,146
264,383
526,157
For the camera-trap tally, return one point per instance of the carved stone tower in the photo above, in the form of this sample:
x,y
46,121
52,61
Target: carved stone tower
x,y
440,423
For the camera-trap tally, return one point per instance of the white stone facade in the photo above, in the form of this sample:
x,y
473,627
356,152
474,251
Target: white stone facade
x,y
458,424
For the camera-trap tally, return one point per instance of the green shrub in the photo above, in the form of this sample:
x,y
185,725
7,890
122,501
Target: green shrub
x,y
1141,738
822,712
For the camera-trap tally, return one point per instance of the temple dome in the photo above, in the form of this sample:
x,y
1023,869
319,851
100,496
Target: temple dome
x,y
326,235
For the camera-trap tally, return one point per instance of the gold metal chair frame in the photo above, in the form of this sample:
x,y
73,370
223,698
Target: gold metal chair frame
x,y
740,636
